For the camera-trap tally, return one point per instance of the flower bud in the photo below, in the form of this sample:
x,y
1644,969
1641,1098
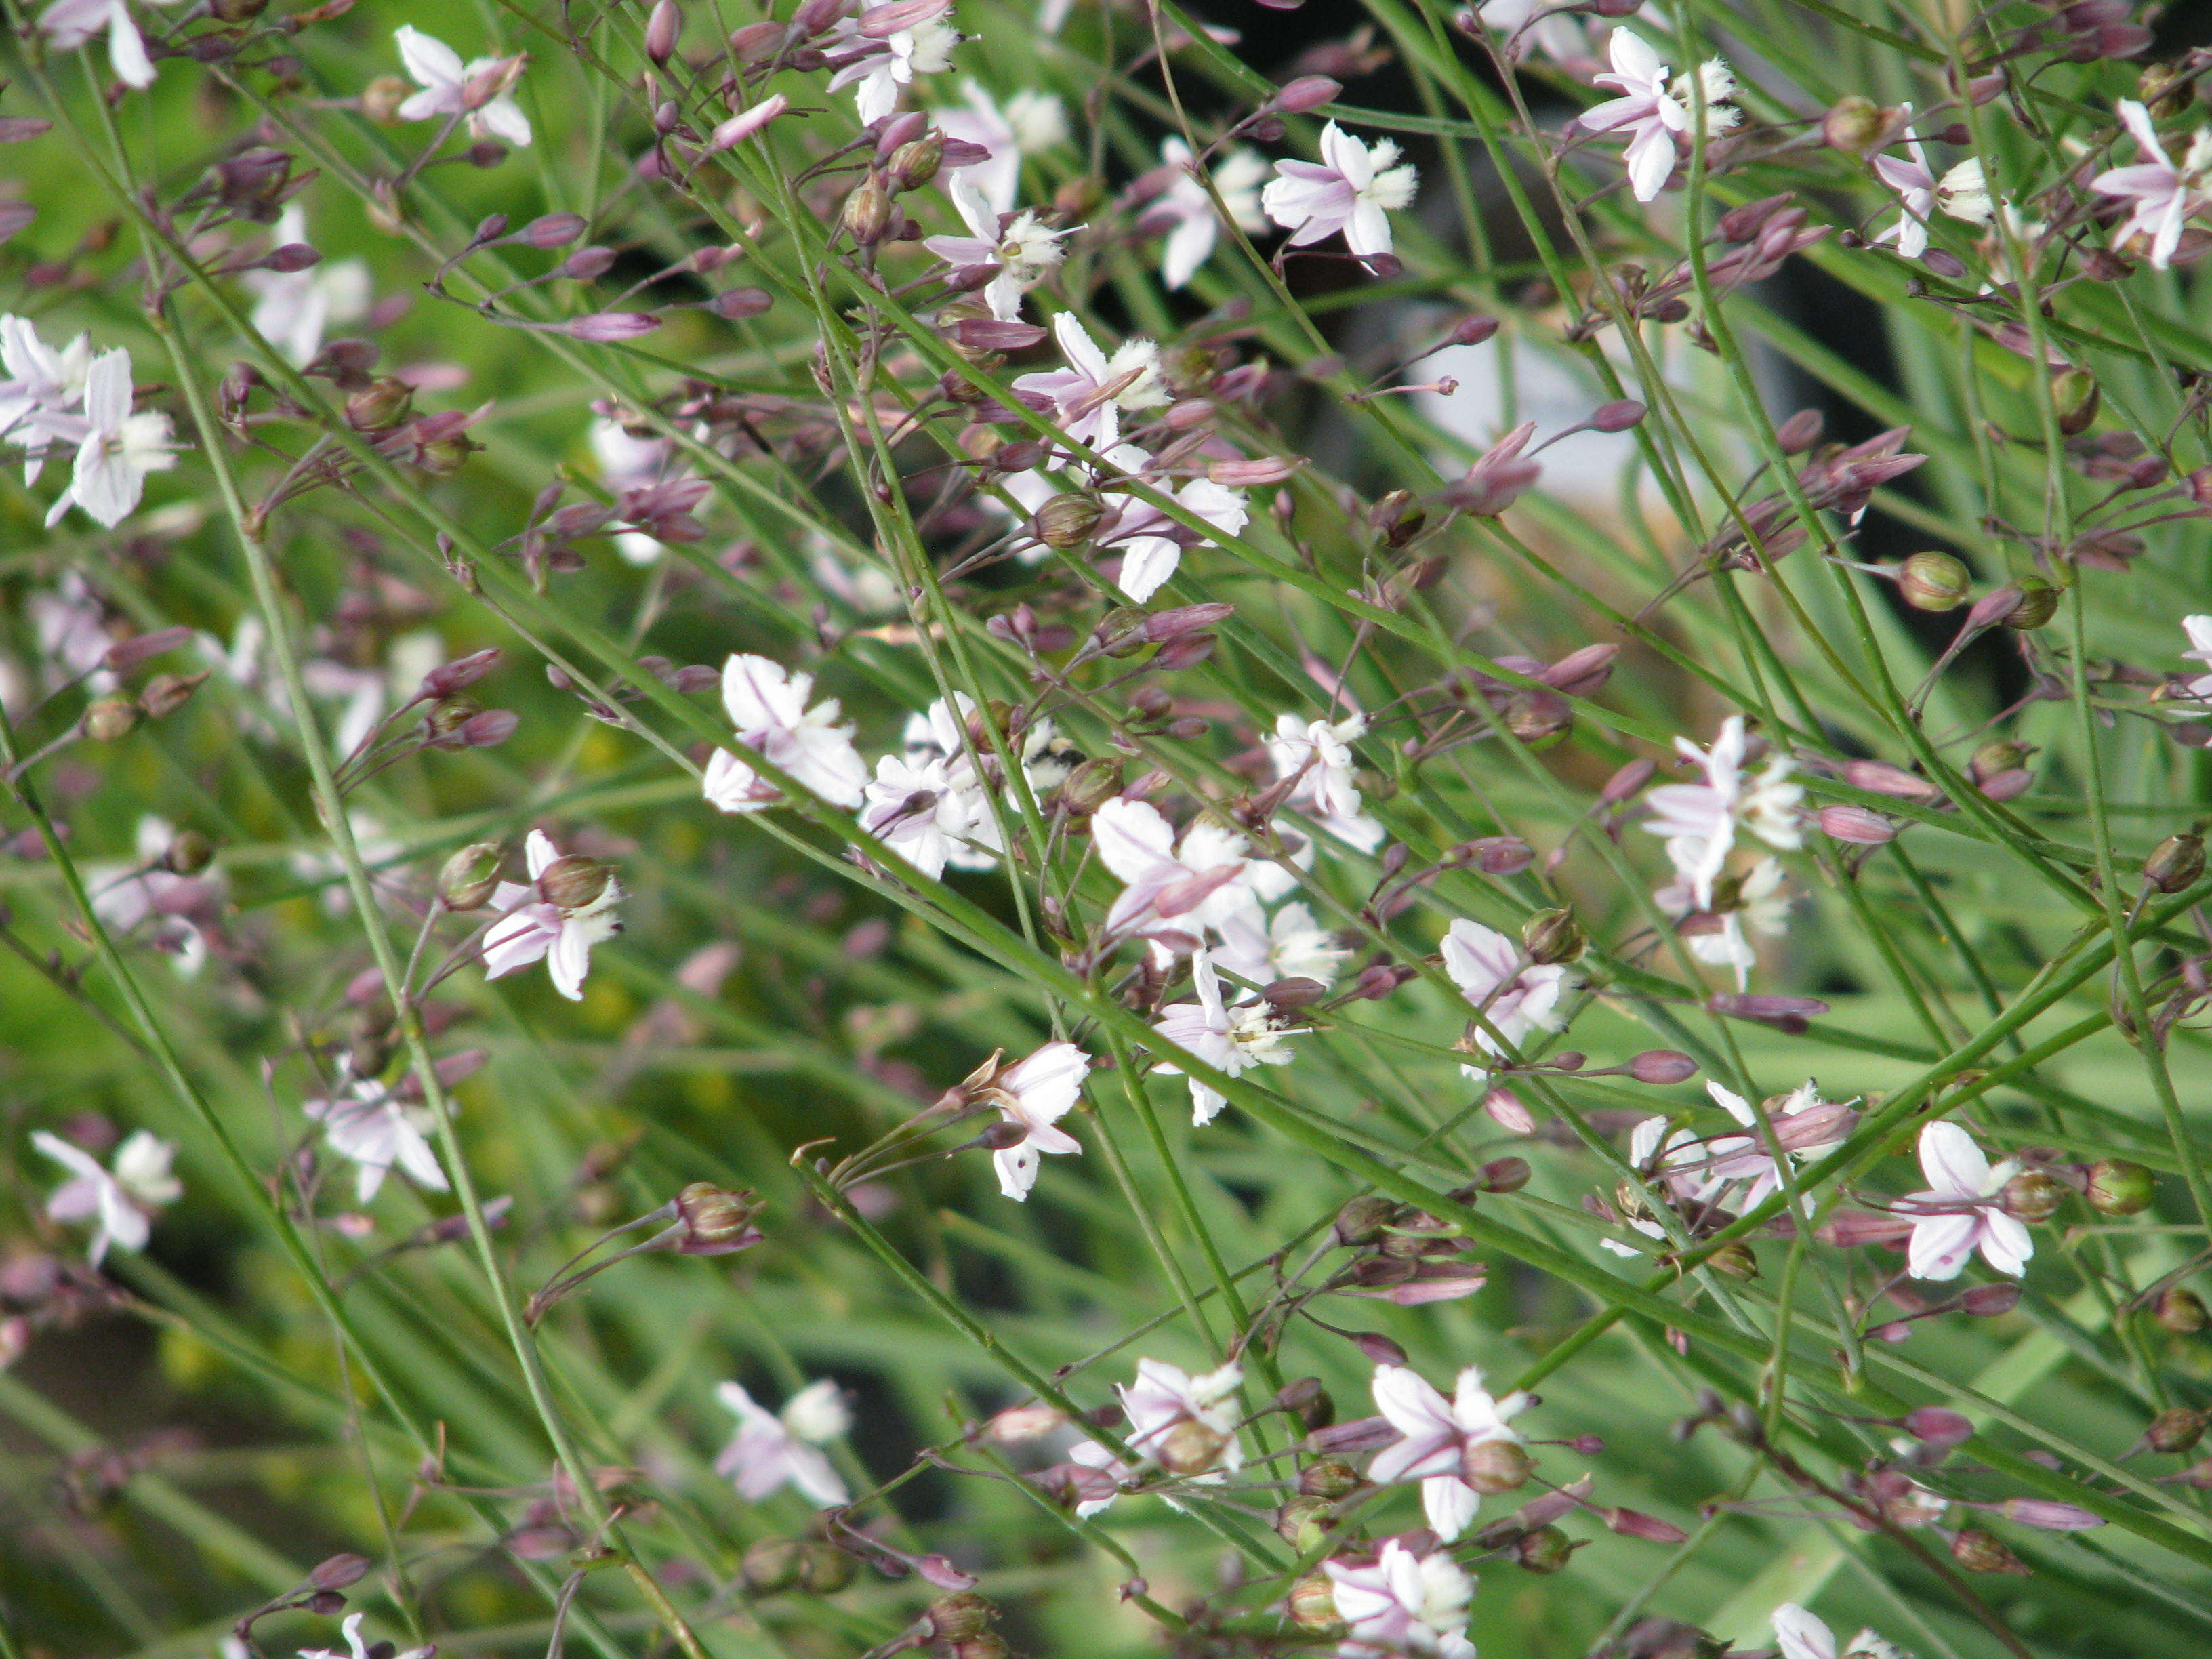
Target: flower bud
x,y
1934,581
747,122
1661,1067
2118,1188
1619,416
2180,1311
2175,1431
958,1616
915,163
1362,1219
189,853
2175,863
1998,755
1308,92
1857,825
1509,1112
1331,1478
1800,432
1932,1426
1553,936
1735,1259
1092,785
470,877
380,405
867,212
1492,1467
824,1569
340,1572
1989,1301
1303,1522
2037,604
573,881
1313,1605
2031,1196
2076,397
713,1215
1853,124
984,1646
661,29
1634,1523
1190,1448
1067,520
553,230
110,720
1545,1550
165,694
1505,1175
1980,1552
771,1564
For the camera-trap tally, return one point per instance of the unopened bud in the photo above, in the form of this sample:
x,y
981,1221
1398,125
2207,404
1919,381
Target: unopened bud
x,y
2031,1196
1932,1426
1330,1479
1934,581
165,694
1853,124
1981,1552
915,163
1308,92
1190,1448
960,1616
1362,1219
1857,825
110,720
1492,1467
1396,518
380,405
2074,395
1509,1112
470,877
339,1572
1505,1175
1067,521
1545,1550
1800,432
2180,1311
2118,1188
189,853
1990,1301
1618,416
661,29
2175,1431
1662,1066
1313,1605
867,212
1553,936
573,881
714,1215
2037,604
2175,863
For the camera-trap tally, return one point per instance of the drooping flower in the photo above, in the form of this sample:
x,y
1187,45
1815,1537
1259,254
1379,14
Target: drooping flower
x,y
1025,250
119,1202
477,89
1700,821
1654,106
1088,397
1353,188
1403,1603
769,1451
68,24
1161,1399
1436,1434
1036,1093
356,1648
1175,890
2161,196
767,703
1192,223
1291,945
877,66
376,1129
1960,193
118,449
1029,123
1958,1214
42,402
1317,754
1514,994
1231,1039
569,907
293,307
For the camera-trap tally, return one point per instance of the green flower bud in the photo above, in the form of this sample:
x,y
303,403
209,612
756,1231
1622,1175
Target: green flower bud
x,y
1067,520
2175,863
380,405
1332,1479
714,1215
1362,1220
2031,1196
1492,1467
470,877
2118,1188
2181,1311
1545,1550
2039,604
1553,936
1934,581
111,720
2175,1431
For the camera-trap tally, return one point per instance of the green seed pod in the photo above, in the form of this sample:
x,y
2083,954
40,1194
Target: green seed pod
x,y
1735,1259
2031,1196
1313,1605
961,1616
470,878
1303,1522
2039,604
2175,1431
772,1564
2118,1188
867,212
1853,124
1980,1552
1362,1220
1191,1448
111,720
189,853
1092,784
1067,520
1492,1467
573,881
915,163
1997,755
165,694
2175,863
2076,397
1121,631
443,456
1545,1550
824,1569
2181,1311
380,405
1934,581
1332,1479
714,1215
1553,936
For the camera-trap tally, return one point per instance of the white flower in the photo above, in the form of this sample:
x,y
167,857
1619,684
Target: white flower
x,y
1163,1397
1436,1431
449,85
1654,106
1089,396
931,812
1700,821
1025,251
1229,1039
295,307
68,24
118,449
1317,754
1802,1636
1036,1093
768,1451
1353,188
878,69
1149,541
535,926
1291,945
1960,193
376,1130
356,1647
1175,890
2199,630
2161,196
1963,1183
1754,902
1405,1603
41,400
1514,995
1807,1126
767,703
1194,223
170,907
120,1203
1030,122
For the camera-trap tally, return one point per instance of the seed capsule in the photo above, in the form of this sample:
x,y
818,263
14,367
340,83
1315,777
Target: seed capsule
x,y
1980,1552
1191,1448
2181,1311
2175,1431
1553,936
2037,604
1362,1219
824,1569
2118,1188
1492,1467
573,881
1545,1550
1313,1605
1852,125
2031,1196
2175,863
189,853
111,720
958,1616
1736,1259
712,1215
867,212
470,877
1302,1522
1067,520
1331,1478
772,1564
1934,581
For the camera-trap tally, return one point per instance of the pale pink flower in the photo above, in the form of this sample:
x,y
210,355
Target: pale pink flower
x,y
119,1202
1756,902
535,927
767,703
1025,250
1193,222
68,24
1036,1093
1700,821
118,449
1088,397
1231,1039
293,309
1353,188
2199,630
1514,994
2161,196
1175,890
377,1130
769,1451
1163,1397
1807,1128
450,87
1435,1431
1289,944
1654,108
1151,542
1403,1604
1028,124
356,1648
877,67
1318,754
41,401
1958,1214
1800,1635
1960,193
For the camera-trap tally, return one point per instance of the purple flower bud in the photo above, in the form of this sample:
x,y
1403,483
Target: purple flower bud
x,y
1380,1349
1857,825
339,1572
1360,1435
1623,784
1662,1066
2007,785
1880,778
1634,1523
1618,416
1990,1301
126,655
991,334
2049,1514
661,30
1581,673
900,130
895,16
1800,431
1507,1109
14,216
1164,625
1473,330
813,16
446,678
588,263
1786,1014
1933,1426
739,303
1498,855
745,123
1070,1483
604,326
492,727
291,258
1308,92
554,230
1993,608
1265,469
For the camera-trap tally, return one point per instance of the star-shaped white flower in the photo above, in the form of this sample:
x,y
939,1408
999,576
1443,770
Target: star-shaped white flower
x,y
1229,1039
768,704
1404,1603
450,87
1958,1215
1654,106
1513,994
119,1202
1353,188
377,1130
118,449
1436,1432
1036,1093
536,927
1700,821
769,1451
